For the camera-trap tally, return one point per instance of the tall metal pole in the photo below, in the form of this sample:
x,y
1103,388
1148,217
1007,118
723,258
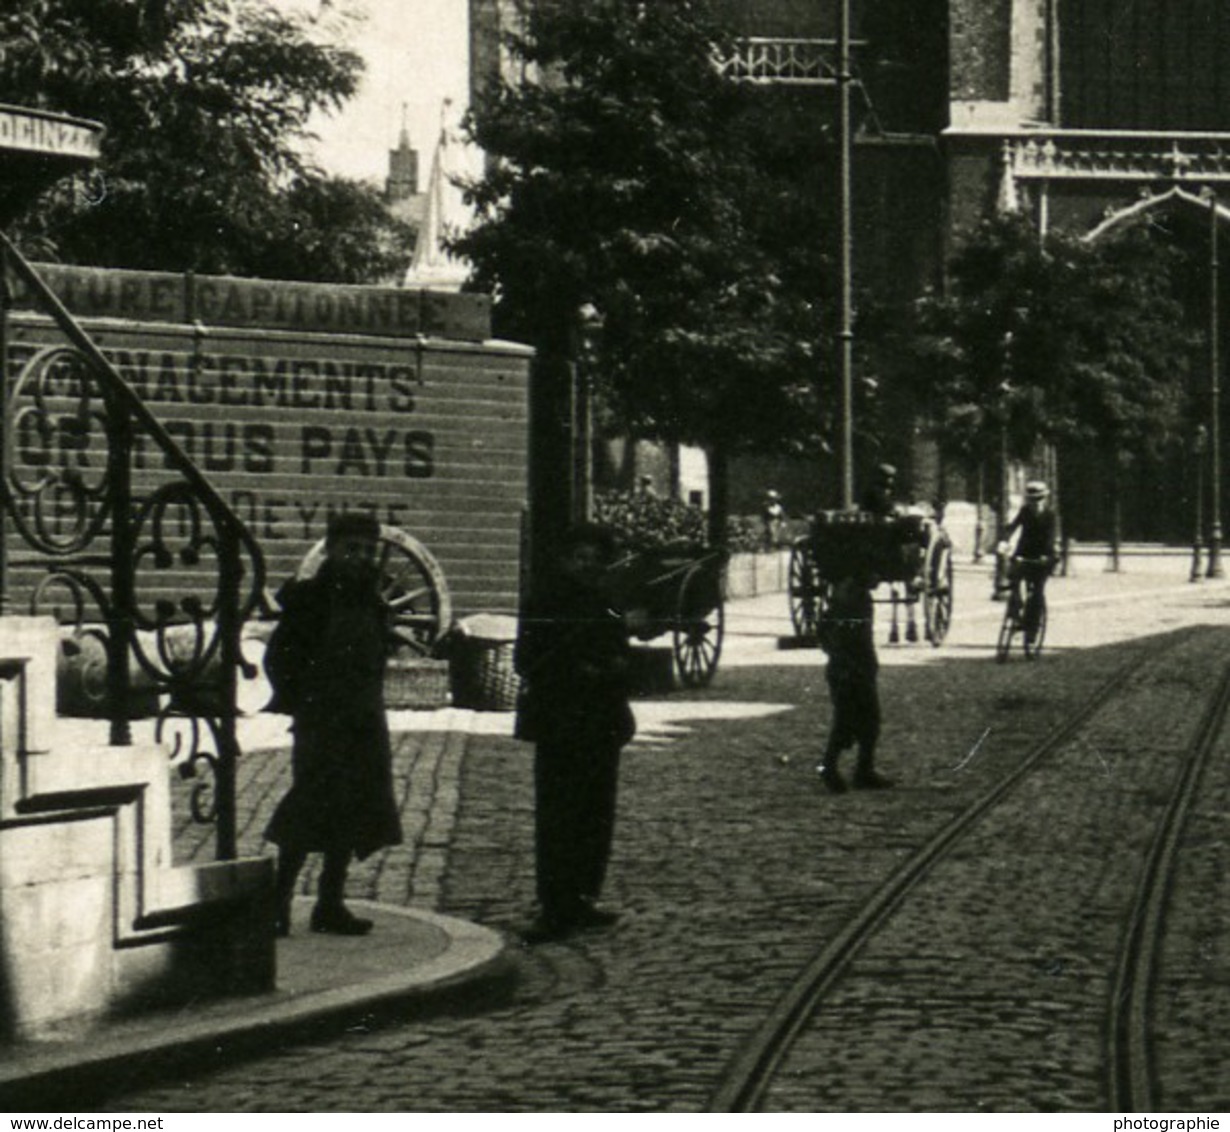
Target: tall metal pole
x,y
1199,445
846,333
1214,568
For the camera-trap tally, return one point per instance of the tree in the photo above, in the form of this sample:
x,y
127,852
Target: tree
x,y
1063,342
206,104
633,177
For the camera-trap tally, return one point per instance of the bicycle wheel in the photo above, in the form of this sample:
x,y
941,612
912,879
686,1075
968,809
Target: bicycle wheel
x,y
1033,646
1011,624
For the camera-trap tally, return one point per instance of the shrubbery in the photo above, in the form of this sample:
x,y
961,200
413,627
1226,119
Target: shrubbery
x,y
744,534
648,522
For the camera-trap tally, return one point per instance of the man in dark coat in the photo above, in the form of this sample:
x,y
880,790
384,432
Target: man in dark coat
x,y
1035,556
847,635
573,657
326,662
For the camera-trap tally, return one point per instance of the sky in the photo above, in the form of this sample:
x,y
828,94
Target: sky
x,y
417,55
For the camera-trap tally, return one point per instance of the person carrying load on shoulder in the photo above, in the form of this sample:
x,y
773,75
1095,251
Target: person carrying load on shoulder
x,y
847,634
881,497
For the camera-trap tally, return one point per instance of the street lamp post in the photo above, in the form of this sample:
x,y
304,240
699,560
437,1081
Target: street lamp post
x,y
590,325
979,533
1214,566
1199,443
845,335
1000,582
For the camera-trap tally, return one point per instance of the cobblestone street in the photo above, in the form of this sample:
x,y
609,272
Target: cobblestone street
x,y
732,867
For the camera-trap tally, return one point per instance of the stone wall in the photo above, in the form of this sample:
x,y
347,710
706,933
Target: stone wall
x,y
980,49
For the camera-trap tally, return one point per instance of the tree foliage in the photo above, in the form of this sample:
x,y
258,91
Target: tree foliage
x,y
633,177
206,105
1067,341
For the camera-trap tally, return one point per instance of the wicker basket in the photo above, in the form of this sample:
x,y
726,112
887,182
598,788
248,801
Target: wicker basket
x,y
481,664
416,683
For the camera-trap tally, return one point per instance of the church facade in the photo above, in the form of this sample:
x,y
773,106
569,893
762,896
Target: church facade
x,y
1080,114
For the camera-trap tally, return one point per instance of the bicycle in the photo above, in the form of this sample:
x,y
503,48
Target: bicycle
x,y
1031,608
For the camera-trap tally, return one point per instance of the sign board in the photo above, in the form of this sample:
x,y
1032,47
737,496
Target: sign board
x,y
219,300
52,135
426,433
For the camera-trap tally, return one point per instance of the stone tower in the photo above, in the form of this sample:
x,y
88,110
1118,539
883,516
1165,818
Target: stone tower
x,y
402,181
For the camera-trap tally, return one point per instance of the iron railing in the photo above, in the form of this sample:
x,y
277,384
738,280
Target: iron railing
x,y
101,557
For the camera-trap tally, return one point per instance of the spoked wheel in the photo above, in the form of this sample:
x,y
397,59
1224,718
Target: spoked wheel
x,y
808,591
699,626
1010,626
937,598
412,584
1033,646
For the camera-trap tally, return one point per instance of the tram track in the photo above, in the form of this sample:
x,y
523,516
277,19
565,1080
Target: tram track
x,y
1132,1084
751,1072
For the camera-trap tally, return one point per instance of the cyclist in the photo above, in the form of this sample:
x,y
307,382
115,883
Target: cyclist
x,y
1035,555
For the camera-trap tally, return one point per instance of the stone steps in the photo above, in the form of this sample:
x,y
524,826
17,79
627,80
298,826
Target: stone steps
x,y
95,920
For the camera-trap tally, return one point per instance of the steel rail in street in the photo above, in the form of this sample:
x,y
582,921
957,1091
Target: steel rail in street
x,y
752,1070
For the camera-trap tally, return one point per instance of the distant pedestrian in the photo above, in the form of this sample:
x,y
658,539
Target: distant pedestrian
x,y
846,633
573,657
644,486
326,662
773,518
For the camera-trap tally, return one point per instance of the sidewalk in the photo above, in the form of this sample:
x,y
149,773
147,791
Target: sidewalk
x,y
414,962
757,627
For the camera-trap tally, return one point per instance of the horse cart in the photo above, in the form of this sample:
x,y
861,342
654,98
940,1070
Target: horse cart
x,y
677,590
907,555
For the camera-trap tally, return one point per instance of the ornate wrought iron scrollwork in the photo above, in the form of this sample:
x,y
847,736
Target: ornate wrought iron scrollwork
x,y
154,588
58,469
184,737
178,634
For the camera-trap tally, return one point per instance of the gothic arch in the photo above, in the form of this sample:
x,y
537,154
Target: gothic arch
x,y
1132,212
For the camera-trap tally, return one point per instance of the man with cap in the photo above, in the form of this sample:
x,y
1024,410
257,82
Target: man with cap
x,y
1035,555
881,497
326,662
573,656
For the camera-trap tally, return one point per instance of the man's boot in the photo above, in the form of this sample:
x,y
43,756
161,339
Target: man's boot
x,y
865,775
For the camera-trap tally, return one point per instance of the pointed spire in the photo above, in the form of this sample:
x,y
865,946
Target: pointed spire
x,y
432,265
1007,201
403,138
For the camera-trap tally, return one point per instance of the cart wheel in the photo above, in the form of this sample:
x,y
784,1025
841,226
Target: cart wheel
x,y
937,598
411,582
807,590
699,627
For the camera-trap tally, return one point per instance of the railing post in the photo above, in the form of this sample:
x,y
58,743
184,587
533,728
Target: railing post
x,y
5,299
230,628
123,609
